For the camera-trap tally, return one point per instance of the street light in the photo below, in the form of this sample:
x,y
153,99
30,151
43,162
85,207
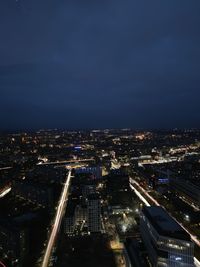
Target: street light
x,y
187,218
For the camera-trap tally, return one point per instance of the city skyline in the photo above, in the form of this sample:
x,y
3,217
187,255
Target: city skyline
x,y
110,198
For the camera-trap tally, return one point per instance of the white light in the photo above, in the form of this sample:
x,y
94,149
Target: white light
x,y
140,196
57,222
5,192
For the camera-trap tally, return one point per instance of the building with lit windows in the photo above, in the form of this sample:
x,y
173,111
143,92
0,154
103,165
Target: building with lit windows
x,y
69,221
94,213
96,171
167,243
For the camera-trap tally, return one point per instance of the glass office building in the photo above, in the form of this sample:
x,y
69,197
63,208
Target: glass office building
x,y
167,243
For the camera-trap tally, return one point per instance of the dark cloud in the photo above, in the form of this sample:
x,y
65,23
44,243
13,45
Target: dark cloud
x,y
80,64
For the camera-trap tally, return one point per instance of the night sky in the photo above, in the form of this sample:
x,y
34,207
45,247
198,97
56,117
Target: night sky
x,y
99,63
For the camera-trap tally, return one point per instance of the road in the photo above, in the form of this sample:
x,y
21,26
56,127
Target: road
x,y
59,216
65,161
5,191
5,168
132,183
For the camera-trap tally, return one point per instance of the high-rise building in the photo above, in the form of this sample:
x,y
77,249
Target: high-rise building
x,y
88,190
118,188
80,214
167,243
94,213
69,222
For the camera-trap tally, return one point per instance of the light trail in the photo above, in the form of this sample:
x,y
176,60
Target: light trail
x,y
196,262
5,168
190,204
5,192
140,196
145,192
2,265
65,161
57,222
194,238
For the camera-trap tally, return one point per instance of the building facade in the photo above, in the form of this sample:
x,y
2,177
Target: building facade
x,y
94,213
166,241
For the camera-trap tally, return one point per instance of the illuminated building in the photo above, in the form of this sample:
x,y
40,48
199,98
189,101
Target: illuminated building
x,y
96,171
94,213
76,216
69,222
166,241
80,214
88,190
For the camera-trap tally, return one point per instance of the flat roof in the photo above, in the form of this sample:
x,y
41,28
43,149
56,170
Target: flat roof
x,y
164,224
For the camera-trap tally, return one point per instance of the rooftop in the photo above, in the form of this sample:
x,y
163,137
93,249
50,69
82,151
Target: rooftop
x,y
164,224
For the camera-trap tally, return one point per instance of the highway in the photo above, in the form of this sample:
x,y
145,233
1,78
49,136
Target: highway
x,y
58,218
132,182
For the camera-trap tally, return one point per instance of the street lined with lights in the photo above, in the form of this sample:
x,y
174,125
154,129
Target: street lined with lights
x,y
57,222
65,161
